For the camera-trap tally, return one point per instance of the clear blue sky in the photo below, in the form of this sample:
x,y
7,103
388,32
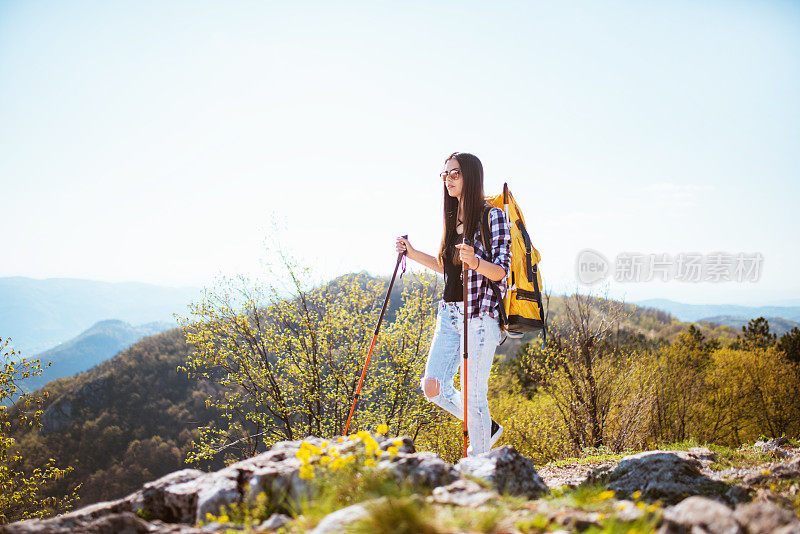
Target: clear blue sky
x,y
155,141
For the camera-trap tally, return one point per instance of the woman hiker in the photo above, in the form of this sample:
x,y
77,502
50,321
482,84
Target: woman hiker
x,y
463,206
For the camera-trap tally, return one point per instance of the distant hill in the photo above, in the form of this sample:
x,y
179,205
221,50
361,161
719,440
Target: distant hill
x,y
697,312
777,325
40,314
97,344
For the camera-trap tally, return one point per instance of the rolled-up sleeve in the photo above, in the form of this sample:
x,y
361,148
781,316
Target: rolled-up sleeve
x,y
501,243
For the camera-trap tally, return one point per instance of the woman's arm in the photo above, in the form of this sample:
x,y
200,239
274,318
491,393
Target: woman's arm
x,y
403,245
500,238
486,268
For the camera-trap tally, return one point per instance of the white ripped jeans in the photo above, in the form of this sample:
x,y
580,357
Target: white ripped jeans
x,y
447,350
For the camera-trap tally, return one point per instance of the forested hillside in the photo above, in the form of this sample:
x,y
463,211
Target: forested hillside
x,y
126,421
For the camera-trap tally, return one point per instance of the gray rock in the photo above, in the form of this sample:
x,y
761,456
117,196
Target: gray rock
x,y
627,510
420,469
773,447
703,454
507,470
666,475
462,493
216,527
338,520
274,522
281,482
764,517
407,446
74,520
159,501
204,495
737,494
699,514
113,523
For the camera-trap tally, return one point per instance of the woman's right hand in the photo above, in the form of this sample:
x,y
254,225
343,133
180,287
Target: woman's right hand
x,y
403,245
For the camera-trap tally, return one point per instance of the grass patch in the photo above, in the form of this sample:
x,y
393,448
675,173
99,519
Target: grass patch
x,y
405,515
728,458
589,497
354,483
591,456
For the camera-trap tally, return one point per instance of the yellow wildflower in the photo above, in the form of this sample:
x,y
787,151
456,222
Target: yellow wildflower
x,y
392,450
605,495
379,452
306,472
303,454
637,494
369,461
640,505
382,428
765,472
370,445
340,439
324,445
334,452
324,460
398,443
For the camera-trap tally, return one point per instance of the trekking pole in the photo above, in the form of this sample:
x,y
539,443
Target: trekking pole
x,y
464,367
375,335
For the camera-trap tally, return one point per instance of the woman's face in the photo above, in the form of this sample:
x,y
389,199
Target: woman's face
x,y
454,186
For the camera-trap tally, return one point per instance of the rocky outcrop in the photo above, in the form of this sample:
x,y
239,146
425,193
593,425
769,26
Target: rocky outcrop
x,y
507,470
183,498
701,514
668,476
462,493
178,502
60,413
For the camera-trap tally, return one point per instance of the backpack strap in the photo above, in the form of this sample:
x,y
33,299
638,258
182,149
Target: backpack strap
x,y
487,247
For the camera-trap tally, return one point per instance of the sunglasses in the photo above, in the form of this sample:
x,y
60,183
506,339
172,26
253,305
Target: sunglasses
x,y
452,175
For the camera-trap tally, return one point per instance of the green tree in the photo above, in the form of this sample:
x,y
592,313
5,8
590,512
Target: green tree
x,y
288,360
750,393
601,393
789,344
755,335
21,496
680,385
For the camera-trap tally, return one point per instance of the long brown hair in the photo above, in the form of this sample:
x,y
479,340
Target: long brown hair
x,y
471,197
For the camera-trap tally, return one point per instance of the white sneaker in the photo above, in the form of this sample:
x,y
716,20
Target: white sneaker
x,y
497,431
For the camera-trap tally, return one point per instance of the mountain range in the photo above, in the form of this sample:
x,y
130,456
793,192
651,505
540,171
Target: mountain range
x,y
100,342
781,318
39,314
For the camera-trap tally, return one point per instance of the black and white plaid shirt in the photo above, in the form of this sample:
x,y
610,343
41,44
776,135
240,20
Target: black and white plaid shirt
x,y
480,297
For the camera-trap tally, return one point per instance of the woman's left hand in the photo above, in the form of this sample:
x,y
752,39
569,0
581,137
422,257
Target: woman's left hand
x,y
467,255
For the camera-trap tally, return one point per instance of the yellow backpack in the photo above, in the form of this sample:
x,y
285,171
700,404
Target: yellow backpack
x,y
522,304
